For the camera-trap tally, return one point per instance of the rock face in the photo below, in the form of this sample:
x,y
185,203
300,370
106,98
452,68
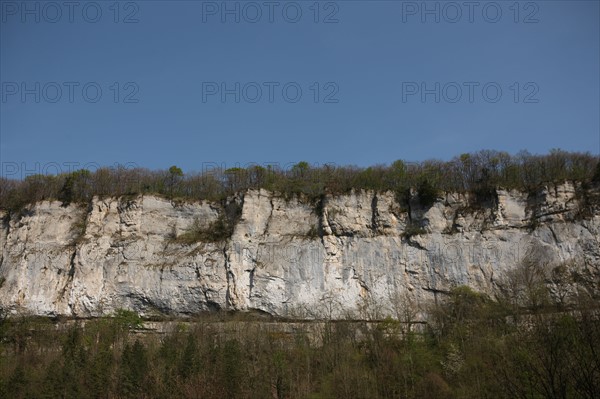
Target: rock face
x,y
350,256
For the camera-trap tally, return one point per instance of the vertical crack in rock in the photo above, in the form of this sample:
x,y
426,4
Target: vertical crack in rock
x,y
554,237
231,291
69,282
360,281
161,278
72,264
322,220
25,241
270,215
5,226
229,303
251,282
210,304
197,270
374,214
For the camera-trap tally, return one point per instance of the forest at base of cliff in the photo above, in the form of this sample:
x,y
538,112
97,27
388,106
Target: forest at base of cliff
x,y
472,347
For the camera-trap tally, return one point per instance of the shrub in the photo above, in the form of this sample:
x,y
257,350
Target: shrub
x,y
127,319
413,228
427,193
219,230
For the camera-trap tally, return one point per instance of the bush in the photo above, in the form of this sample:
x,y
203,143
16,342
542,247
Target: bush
x,y
219,230
414,228
128,319
427,193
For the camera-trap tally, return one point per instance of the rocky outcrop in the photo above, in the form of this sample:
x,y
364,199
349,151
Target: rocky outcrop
x,y
348,256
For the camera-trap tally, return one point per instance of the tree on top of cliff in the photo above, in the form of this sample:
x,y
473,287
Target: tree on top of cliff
x,y
478,173
596,177
175,175
76,187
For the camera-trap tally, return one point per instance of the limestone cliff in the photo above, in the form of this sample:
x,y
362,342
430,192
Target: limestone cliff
x,y
286,257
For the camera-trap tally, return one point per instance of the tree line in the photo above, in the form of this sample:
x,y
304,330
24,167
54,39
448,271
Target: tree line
x,y
478,173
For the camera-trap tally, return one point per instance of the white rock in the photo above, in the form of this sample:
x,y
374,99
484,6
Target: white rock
x,y
274,261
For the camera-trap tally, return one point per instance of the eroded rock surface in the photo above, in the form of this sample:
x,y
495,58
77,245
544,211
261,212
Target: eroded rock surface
x,y
286,257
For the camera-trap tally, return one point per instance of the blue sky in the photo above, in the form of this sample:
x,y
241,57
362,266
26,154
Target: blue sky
x,y
369,74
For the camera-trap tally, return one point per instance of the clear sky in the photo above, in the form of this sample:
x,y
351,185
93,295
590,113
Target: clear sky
x,y
346,82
